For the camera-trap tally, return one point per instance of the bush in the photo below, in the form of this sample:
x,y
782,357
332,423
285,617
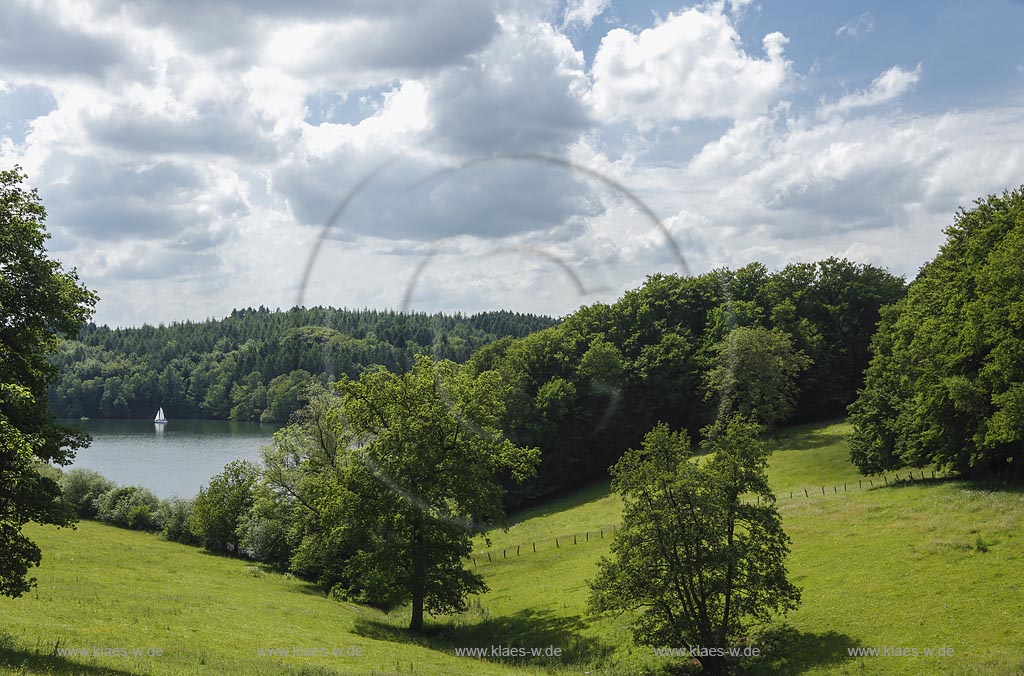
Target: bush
x,y
81,488
265,540
219,508
173,517
132,507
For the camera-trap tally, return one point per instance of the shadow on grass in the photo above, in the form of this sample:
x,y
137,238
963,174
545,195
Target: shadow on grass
x,y
527,629
993,482
559,501
787,650
806,438
45,660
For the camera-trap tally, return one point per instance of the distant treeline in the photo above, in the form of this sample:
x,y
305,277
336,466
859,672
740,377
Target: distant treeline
x,y
589,388
257,363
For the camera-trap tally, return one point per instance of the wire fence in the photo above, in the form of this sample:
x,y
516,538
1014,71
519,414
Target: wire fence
x,y
550,543
495,555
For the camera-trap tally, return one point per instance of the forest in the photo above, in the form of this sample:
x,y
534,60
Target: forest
x,y
255,364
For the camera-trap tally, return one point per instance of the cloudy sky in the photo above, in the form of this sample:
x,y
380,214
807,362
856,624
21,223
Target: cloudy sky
x,y
476,154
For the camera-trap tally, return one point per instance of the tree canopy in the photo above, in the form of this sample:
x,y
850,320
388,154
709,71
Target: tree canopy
x,y
755,374
701,551
39,303
589,388
380,484
946,381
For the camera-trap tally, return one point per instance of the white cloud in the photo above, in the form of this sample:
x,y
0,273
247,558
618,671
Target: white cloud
x,y
689,66
583,12
182,163
888,86
882,187
854,28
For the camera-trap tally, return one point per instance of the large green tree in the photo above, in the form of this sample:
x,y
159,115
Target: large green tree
x,y
423,479
39,302
701,551
755,374
946,382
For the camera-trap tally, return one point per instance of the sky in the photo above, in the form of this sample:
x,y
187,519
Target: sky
x,y
467,155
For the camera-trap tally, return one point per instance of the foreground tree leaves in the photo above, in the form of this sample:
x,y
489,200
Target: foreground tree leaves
x,y
39,302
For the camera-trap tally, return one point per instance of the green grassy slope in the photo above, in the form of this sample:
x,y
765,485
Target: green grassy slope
x,y
104,587
927,564
923,564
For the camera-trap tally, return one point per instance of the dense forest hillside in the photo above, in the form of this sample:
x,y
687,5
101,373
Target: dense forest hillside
x,y
256,363
589,388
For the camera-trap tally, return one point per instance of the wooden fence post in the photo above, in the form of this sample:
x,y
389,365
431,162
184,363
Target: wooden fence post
x,y
534,547
556,543
805,493
517,550
574,539
488,556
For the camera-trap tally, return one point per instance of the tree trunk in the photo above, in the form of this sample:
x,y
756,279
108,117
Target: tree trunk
x,y
713,664
419,585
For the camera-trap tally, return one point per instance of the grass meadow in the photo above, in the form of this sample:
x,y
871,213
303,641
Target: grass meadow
x,y
926,564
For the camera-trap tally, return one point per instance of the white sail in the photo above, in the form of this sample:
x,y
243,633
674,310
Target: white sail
x,y
160,416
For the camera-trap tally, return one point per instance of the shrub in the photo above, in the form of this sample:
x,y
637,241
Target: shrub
x,y
81,488
173,517
220,507
265,540
129,506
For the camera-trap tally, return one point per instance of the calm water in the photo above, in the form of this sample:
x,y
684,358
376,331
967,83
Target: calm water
x,y
175,458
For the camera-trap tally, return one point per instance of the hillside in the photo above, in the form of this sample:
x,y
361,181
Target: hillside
x,y
916,564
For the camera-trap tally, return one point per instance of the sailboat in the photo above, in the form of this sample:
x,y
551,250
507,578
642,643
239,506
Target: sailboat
x,y
160,416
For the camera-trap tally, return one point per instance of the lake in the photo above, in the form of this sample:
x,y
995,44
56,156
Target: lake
x,y
174,458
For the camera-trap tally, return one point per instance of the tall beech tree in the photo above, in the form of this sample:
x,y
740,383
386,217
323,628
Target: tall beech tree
x,y
701,551
39,302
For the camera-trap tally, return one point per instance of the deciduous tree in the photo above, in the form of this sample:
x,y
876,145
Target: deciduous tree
x,y
701,551
424,478
755,374
39,302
